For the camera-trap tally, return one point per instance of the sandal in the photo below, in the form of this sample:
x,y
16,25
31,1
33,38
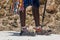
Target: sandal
x,y
25,32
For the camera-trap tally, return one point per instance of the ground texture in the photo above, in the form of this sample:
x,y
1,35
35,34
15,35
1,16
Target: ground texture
x,y
13,35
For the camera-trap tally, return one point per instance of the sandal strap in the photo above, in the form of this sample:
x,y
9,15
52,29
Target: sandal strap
x,y
38,29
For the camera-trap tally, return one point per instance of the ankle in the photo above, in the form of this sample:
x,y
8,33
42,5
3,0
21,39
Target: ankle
x,y
24,27
38,26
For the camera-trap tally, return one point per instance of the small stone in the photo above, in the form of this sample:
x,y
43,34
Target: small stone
x,y
1,28
5,22
10,18
14,24
29,10
42,1
51,9
57,2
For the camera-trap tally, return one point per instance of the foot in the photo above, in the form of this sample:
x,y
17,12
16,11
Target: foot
x,y
38,30
24,31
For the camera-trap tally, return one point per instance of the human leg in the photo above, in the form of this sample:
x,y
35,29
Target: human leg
x,y
35,12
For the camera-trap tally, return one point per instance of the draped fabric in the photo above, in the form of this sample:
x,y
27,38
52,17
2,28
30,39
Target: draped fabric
x,y
27,3
31,2
21,5
35,3
15,4
24,3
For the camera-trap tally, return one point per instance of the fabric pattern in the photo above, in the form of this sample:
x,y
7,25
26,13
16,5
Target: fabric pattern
x,y
31,2
21,5
15,6
27,3
24,3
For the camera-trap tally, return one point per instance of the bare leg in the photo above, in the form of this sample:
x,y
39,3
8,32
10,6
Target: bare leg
x,y
35,11
24,30
22,20
22,17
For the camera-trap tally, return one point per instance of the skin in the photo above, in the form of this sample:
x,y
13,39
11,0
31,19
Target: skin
x,y
35,12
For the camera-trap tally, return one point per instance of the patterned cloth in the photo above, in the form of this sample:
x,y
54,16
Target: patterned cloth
x,y
24,3
27,3
15,7
21,5
31,2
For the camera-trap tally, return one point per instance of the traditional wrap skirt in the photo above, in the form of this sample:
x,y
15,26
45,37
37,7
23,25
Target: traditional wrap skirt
x,y
34,3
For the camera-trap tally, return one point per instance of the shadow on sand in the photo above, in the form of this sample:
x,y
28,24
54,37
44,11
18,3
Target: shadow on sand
x,y
30,34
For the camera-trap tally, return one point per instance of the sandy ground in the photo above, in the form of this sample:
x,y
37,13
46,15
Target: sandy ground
x,y
13,35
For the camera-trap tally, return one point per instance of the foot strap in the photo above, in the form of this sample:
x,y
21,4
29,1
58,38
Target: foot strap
x,y
38,29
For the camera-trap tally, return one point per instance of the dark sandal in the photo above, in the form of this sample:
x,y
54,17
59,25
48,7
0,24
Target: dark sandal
x,y
25,32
